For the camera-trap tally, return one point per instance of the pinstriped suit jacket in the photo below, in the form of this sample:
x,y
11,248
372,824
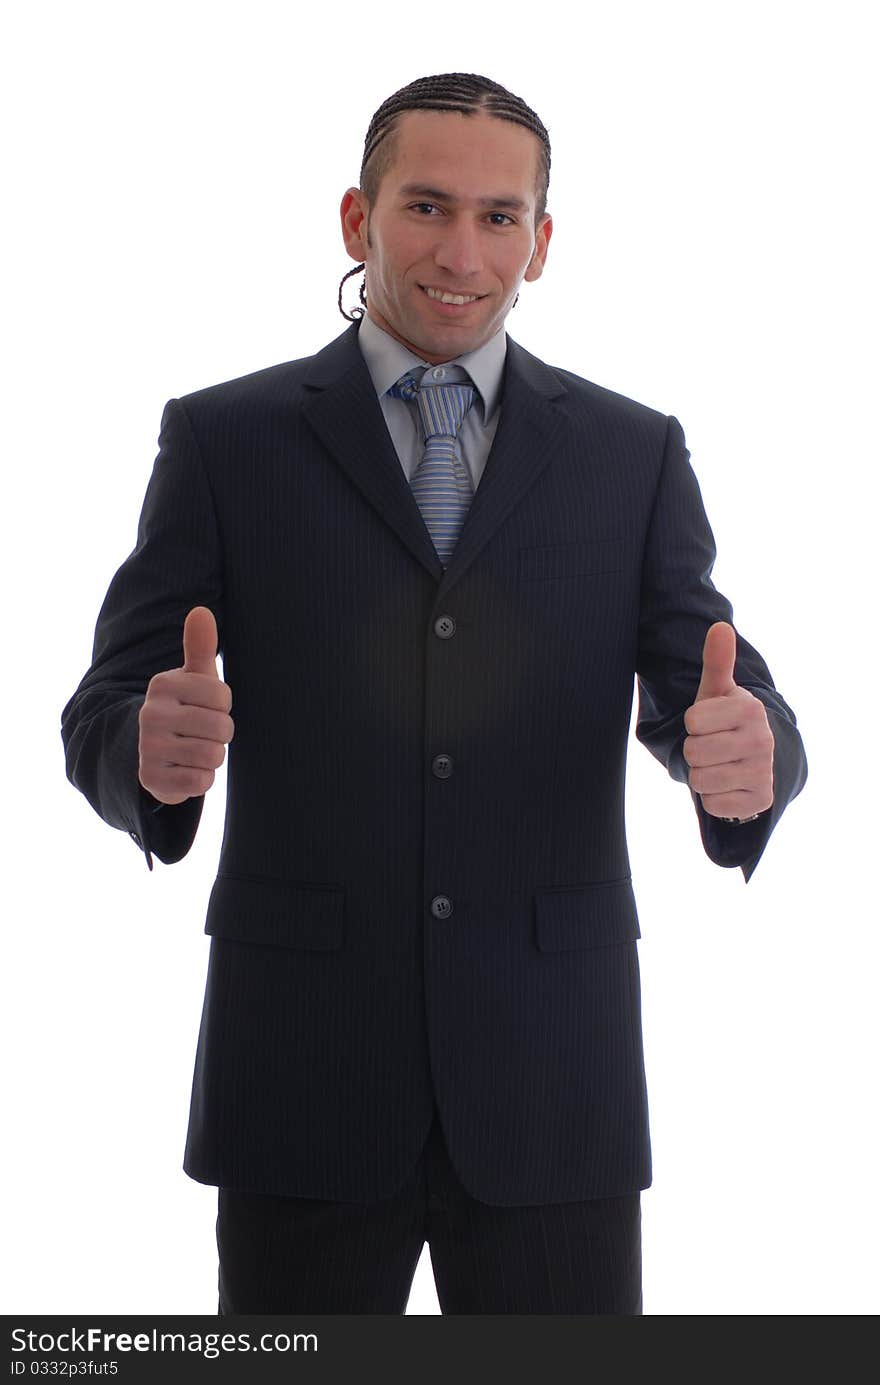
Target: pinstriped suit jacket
x,y
423,891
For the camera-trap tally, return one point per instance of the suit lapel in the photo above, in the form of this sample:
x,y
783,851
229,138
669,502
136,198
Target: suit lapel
x,y
526,440
345,413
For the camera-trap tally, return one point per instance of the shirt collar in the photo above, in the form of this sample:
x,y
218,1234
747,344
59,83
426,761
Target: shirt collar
x,y
387,359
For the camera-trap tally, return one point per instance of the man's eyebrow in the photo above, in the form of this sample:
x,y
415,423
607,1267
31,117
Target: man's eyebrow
x,y
437,195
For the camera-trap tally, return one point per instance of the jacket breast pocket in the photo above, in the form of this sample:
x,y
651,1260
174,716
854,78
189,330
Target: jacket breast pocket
x,y
580,558
280,913
585,916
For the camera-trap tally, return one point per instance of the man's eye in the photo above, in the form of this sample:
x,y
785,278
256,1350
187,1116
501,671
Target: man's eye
x,y
417,206
503,215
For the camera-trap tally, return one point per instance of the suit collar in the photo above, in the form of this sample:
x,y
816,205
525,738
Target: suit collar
x,y
343,408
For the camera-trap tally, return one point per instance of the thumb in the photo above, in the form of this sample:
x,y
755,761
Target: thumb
x,y
200,642
719,657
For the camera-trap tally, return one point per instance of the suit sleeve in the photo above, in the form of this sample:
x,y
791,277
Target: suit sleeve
x,y
678,604
175,565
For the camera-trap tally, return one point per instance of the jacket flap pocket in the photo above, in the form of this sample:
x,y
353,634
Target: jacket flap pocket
x,y
586,916
576,559
278,912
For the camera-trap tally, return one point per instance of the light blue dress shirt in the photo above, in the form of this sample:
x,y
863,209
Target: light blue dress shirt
x,y
387,359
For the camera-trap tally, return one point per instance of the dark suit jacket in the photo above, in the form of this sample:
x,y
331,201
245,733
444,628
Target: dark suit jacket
x,y
424,891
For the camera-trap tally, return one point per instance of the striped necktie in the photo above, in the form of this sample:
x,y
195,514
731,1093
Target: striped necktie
x,y
441,482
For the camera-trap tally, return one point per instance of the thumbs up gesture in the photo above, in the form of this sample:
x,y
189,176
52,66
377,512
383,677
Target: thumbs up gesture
x,y
184,722
729,746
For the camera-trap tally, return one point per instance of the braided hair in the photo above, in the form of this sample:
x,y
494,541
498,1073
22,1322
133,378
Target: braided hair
x,y
451,91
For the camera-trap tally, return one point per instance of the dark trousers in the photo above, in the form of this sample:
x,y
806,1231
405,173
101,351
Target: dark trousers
x,y
304,1255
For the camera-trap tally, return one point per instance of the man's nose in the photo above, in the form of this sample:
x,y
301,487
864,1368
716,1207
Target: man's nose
x,y
458,250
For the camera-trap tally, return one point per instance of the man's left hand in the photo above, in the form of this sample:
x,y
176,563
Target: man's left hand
x,y
729,746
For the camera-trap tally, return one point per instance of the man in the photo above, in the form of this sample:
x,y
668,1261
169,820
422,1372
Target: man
x,y
433,565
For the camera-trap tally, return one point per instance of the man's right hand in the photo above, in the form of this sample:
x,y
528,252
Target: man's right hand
x,y
184,722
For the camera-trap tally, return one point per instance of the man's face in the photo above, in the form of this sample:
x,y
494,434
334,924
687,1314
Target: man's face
x,y
455,213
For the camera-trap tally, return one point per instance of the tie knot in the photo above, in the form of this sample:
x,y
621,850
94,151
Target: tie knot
x,y
442,407
407,387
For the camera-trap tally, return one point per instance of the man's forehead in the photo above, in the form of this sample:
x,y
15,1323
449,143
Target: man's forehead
x,y
427,140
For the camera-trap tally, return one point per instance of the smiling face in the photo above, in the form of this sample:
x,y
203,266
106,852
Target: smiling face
x,y
451,234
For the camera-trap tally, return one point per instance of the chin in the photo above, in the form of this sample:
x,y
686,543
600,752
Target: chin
x,y
455,332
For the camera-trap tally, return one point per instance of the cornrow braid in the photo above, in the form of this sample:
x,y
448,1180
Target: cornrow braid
x,y
450,91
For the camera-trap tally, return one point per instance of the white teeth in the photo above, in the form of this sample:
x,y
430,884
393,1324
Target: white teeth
x,y
451,297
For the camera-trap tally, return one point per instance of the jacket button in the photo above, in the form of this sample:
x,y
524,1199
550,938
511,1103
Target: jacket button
x,y
441,906
444,627
135,838
442,766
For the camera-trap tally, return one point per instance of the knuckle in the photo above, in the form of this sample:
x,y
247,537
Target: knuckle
x,y
146,712
756,710
196,781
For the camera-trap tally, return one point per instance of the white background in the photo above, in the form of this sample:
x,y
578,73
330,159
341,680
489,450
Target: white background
x,y
175,174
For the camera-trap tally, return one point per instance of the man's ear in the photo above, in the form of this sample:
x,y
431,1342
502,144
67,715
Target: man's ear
x,y
539,255
353,212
